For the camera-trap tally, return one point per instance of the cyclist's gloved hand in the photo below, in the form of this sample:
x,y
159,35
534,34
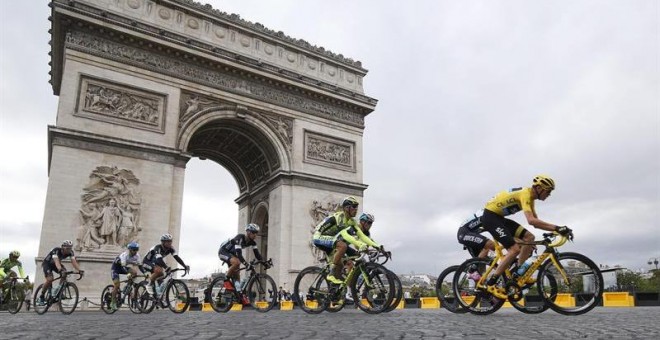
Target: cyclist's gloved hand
x,y
565,231
363,248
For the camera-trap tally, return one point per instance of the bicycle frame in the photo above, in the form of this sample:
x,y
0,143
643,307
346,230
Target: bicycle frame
x,y
549,253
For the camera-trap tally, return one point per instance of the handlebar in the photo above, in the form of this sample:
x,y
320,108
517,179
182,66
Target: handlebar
x,y
266,263
64,274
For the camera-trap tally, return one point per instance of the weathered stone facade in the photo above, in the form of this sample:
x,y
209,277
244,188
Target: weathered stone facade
x,y
146,85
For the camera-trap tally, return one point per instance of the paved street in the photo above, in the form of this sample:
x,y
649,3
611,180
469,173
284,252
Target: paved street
x,y
600,323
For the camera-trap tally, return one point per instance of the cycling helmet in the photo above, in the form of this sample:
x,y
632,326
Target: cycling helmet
x,y
15,254
252,227
350,200
166,237
67,244
367,217
133,246
544,182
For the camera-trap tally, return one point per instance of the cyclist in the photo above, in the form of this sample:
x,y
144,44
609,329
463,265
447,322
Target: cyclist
x,y
53,263
505,230
231,252
7,264
469,235
121,266
336,231
154,262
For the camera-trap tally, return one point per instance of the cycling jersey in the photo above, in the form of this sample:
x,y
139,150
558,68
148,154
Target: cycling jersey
x,y
156,255
124,259
49,266
6,265
339,226
57,253
512,201
234,247
335,223
121,262
473,222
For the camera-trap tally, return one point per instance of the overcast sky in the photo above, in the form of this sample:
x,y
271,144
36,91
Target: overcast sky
x,y
475,97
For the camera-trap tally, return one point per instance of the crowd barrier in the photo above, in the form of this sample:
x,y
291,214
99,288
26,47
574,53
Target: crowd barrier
x,y
610,299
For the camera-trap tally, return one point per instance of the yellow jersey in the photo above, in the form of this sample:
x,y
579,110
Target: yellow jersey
x,y
511,201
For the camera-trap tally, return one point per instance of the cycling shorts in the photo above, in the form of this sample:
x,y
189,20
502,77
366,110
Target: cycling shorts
x,y
503,229
225,256
473,242
49,268
117,270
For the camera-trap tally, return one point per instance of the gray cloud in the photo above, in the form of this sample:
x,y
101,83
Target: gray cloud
x,y
474,98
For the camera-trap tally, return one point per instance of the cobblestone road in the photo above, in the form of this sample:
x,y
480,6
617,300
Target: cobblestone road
x,y
600,323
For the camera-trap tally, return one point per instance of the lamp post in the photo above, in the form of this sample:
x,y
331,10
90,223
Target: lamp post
x,y
654,260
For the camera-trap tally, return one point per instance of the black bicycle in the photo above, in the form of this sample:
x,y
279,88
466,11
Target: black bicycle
x,y
259,290
173,295
13,295
65,295
128,294
370,284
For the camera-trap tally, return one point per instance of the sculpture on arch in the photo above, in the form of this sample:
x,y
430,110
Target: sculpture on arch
x,y
110,210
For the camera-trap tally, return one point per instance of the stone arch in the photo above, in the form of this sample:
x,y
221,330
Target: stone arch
x,y
260,216
238,140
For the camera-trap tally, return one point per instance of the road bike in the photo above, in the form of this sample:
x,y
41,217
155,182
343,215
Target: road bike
x,y
444,290
571,276
128,294
370,283
13,294
259,290
65,294
398,287
170,293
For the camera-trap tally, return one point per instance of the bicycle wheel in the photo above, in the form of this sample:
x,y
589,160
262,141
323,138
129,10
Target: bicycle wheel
x,y
221,298
68,298
106,299
14,299
145,301
311,290
579,284
466,291
374,291
398,292
177,296
130,294
532,302
262,292
445,292
42,307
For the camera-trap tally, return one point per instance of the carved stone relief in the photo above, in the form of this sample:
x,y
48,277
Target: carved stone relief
x,y
215,77
192,103
329,151
283,126
120,104
109,216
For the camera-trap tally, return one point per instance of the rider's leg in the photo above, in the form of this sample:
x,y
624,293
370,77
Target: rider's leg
x,y
340,250
155,274
489,246
526,249
233,274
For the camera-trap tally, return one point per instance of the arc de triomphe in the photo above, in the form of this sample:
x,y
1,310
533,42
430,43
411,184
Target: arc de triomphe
x,y
146,85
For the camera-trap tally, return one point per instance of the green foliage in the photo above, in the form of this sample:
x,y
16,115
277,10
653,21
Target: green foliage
x,y
635,282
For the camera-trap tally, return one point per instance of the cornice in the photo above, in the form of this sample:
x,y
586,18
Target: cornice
x,y
65,10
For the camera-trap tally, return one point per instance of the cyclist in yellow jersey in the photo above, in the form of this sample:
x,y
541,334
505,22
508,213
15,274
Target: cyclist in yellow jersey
x,y
505,230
